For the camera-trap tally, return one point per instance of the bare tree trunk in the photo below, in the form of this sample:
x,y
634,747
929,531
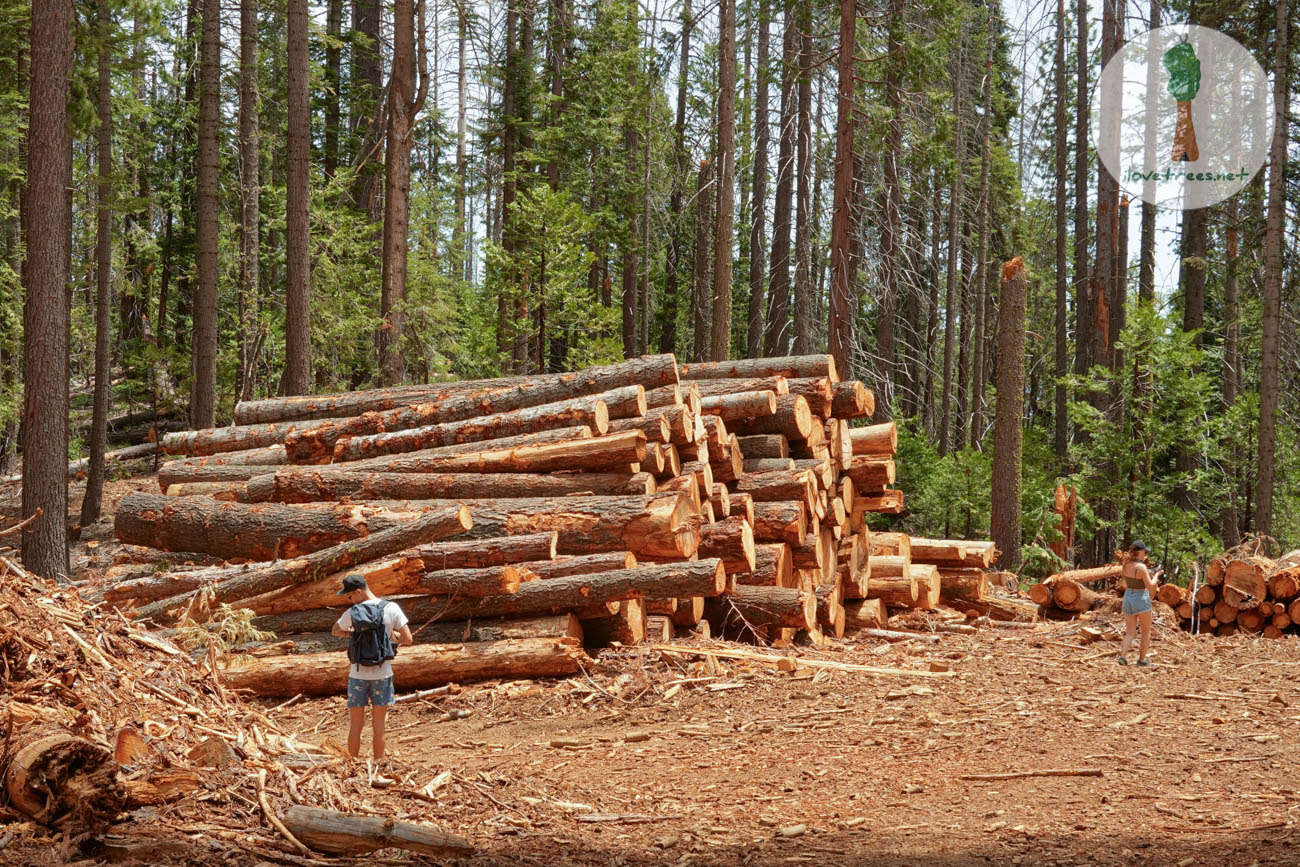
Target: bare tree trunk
x,y
805,318
1147,261
954,219
891,227
367,103
45,312
776,329
134,304
701,279
1008,415
1083,314
90,504
460,233
668,334
840,321
1061,424
758,219
1272,300
403,105
297,296
203,389
720,344
981,292
1103,280
1231,534
333,80
249,196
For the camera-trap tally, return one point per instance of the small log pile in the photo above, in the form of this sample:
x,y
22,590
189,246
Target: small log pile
x,y
1244,591
721,498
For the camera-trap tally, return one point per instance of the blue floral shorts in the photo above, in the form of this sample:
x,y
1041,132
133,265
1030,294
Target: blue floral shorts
x,y
376,692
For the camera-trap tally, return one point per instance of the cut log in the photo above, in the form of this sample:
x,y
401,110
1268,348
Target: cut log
x,y
778,486
1225,612
1073,596
742,505
431,526
266,456
886,566
1171,594
456,631
878,440
666,395
583,564
813,447
627,627
824,472
928,585
497,395
768,465
773,566
830,611
67,783
689,612
790,367
839,444
234,438
1215,571
852,399
731,540
954,553
880,502
771,607
720,497
764,446
891,544
183,473
779,385
549,596
793,418
781,522
703,475
231,492
1041,593
1206,595
1249,620
869,474
1293,611
392,577
306,486
655,427
349,834
1281,620
658,628
1088,576
739,405
865,614
896,591
818,391
1245,582
963,583
1284,583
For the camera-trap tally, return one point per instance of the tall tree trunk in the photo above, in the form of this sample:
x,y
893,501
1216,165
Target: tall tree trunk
x,y
776,335
203,388
249,196
720,344
1083,313
1231,534
840,321
954,254
45,311
90,504
1008,415
701,278
1196,224
981,292
367,103
1272,296
297,295
1061,426
134,297
758,218
891,226
333,80
404,103
459,232
668,333
525,286
1147,260
805,318
1103,280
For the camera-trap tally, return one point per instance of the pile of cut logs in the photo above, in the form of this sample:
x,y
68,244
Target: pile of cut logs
x,y
1243,591
636,500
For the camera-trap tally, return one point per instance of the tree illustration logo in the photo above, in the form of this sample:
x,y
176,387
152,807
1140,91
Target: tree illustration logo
x,y
1184,81
1182,117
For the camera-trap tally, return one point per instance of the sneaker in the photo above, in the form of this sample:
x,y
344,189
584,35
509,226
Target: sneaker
x,y
1122,661
1145,663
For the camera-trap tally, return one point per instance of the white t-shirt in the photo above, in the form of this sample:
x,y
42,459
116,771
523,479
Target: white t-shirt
x,y
394,620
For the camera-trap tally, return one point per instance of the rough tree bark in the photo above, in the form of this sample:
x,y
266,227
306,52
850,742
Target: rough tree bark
x,y
203,388
840,321
720,342
805,305
1061,423
758,217
1008,415
297,262
672,270
249,194
776,331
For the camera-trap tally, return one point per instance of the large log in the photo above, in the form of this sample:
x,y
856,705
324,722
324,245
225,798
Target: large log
x,y
818,391
413,461
892,545
852,399
497,395
1073,596
928,584
773,567
176,474
318,674
612,452
865,614
591,411
869,474
431,526
627,626
392,577
789,366
953,553
306,486
772,607
234,438
793,418
778,486
879,440
348,834
1284,583
65,782
549,596
1245,583
731,540
879,502
779,385
896,591
739,405
761,446
963,583
581,564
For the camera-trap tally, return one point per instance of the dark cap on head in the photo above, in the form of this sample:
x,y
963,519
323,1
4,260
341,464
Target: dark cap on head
x,y
1138,545
354,582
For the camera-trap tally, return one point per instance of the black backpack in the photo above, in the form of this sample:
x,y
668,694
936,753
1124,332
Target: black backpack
x,y
371,644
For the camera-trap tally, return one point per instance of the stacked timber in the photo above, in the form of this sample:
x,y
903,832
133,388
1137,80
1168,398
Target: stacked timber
x,y
1243,591
601,506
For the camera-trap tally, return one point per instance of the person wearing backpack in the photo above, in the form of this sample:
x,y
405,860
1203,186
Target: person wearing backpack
x,y
375,628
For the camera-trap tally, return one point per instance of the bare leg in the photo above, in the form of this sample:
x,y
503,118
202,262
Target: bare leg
x,y
1145,619
378,716
356,721
1130,630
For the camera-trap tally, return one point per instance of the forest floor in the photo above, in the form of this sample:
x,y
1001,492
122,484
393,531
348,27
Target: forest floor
x,y
663,758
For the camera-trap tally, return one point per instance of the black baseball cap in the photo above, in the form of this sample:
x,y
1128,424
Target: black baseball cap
x,y
1138,545
354,582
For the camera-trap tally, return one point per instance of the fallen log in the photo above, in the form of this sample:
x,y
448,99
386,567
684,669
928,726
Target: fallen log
x,y
392,577
778,486
793,418
852,399
1073,596
963,583
865,614
348,834
773,567
627,626
954,553
614,452
429,527
757,606
739,404
549,596
761,446
306,486
495,395
65,782
791,367
869,474
731,540
878,440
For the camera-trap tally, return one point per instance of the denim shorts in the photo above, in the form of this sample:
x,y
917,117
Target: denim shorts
x,y
376,692
1136,602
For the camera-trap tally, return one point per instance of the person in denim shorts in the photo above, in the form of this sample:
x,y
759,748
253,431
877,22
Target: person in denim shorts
x,y
1139,584
369,684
